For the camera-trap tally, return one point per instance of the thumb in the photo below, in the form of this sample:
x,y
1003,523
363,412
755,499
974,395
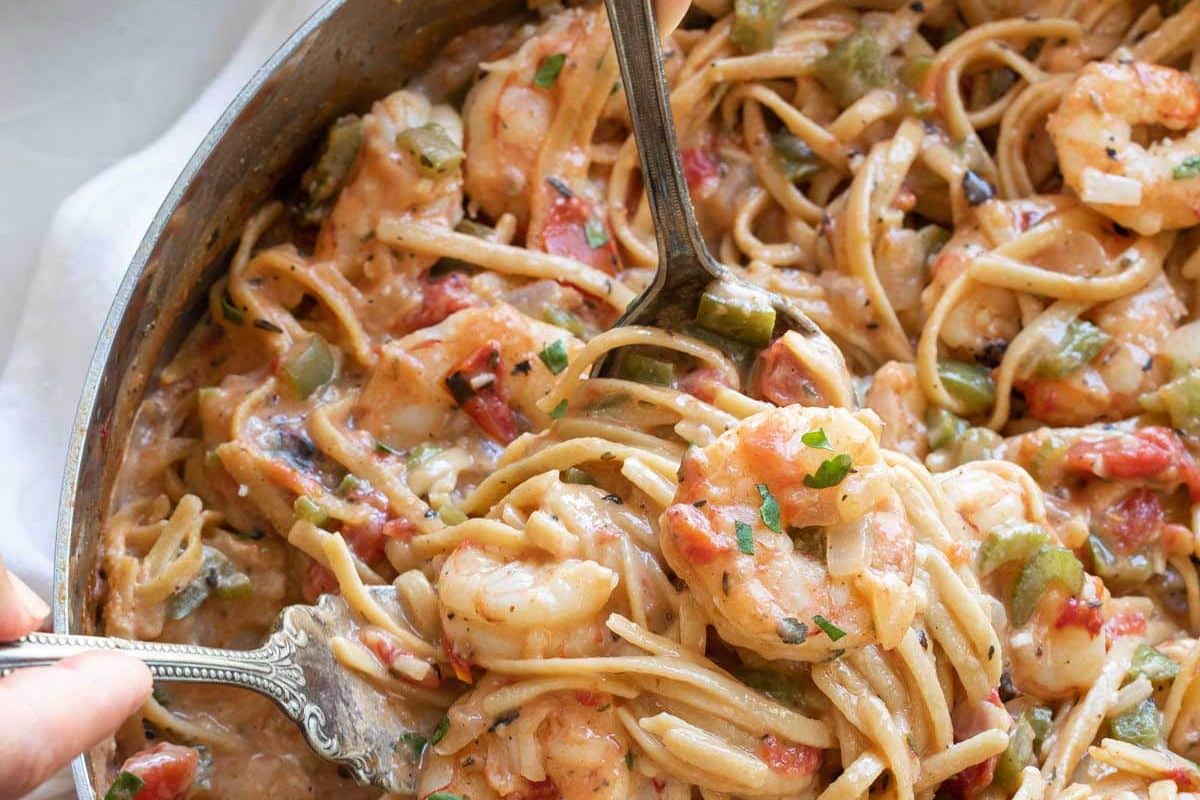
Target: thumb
x,y
21,610
669,13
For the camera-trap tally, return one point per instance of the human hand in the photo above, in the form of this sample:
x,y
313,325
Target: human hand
x,y
52,714
669,13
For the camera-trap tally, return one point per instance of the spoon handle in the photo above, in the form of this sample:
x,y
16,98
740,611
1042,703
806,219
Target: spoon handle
x,y
268,670
680,245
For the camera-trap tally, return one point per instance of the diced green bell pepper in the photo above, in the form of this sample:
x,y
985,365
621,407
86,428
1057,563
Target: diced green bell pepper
x,y
1049,565
308,509
1017,756
794,158
644,369
435,152
327,175
970,383
1081,342
1120,571
1013,542
309,367
1140,725
1179,400
853,67
218,576
565,320
943,427
756,24
736,319
1158,667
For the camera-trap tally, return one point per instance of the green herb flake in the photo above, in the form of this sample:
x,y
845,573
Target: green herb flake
x,y
230,312
1188,168
440,732
831,472
629,759
832,631
769,510
125,787
792,631
386,449
595,233
547,71
415,741
444,796
817,440
554,356
745,537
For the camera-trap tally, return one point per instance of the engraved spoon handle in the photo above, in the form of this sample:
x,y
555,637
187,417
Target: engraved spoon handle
x,y
249,669
680,244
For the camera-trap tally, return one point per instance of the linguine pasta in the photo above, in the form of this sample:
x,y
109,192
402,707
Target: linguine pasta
x,y
951,553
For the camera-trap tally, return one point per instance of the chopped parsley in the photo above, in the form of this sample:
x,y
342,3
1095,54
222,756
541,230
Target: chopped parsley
x,y
792,631
831,472
560,410
555,356
415,741
745,537
769,510
547,71
440,732
125,787
832,631
629,759
267,325
595,233
383,447
817,440
444,796
1188,168
231,312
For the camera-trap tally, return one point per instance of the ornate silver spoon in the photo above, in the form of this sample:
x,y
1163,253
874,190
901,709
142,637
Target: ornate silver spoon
x,y
340,713
686,269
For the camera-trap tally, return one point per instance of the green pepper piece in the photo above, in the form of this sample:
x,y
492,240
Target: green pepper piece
x,y
977,444
794,158
565,320
644,369
125,787
1140,725
1017,756
943,427
352,484
308,509
1039,718
473,228
970,383
1081,342
740,352
577,476
1013,542
309,368
1120,571
914,70
329,172
421,453
852,68
773,684
756,24
1155,665
435,152
185,601
736,319
218,576
1049,565
1180,400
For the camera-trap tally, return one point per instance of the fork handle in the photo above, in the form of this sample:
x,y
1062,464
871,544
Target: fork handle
x,y
266,670
681,247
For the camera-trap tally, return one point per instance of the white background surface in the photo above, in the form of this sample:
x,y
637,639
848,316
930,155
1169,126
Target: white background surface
x,y
83,83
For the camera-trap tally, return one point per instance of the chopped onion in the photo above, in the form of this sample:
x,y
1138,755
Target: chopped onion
x,y
1183,345
1115,190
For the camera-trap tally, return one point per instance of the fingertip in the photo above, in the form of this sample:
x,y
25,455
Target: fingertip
x,y
126,680
21,610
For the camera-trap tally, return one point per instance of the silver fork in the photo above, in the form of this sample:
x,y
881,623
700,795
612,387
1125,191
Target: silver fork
x,y
685,266
341,714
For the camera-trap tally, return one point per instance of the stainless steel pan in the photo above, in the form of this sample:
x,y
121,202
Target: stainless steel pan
x,y
348,54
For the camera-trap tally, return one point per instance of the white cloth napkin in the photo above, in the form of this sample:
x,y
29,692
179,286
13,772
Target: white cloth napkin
x,y
89,245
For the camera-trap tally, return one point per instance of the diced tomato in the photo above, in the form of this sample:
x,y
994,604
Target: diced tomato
x,y
1135,520
460,666
399,528
441,297
659,784
972,780
783,380
1080,613
789,758
1132,623
366,539
905,199
1184,778
970,720
167,771
693,532
589,699
1152,452
700,165
317,581
564,233
703,383
477,386
540,790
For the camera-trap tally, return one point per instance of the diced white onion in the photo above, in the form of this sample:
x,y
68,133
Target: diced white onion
x,y
1114,190
1184,344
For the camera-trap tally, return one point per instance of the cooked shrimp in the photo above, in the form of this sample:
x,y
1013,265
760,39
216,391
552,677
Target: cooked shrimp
x,y
743,498
387,179
897,398
1140,187
568,745
414,396
1108,387
529,125
1059,651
